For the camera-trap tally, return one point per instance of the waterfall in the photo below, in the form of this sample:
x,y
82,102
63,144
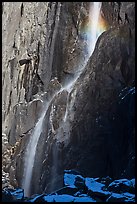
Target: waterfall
x,y
31,150
30,153
30,156
93,21
91,35
91,38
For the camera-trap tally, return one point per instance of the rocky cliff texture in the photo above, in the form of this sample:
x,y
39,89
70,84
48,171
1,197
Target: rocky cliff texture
x,y
101,122
42,48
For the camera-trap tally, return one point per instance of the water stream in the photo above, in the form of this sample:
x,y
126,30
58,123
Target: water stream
x,y
91,37
31,151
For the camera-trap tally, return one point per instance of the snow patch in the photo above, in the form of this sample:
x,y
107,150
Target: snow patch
x,y
69,179
19,193
117,182
93,185
59,198
129,195
132,182
84,199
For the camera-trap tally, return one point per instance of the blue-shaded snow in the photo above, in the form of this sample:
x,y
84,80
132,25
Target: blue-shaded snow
x,y
59,198
129,195
133,182
117,182
115,195
84,199
126,91
69,179
93,185
18,193
67,198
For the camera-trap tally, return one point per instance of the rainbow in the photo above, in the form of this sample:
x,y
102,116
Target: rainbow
x,y
102,25
86,26
90,29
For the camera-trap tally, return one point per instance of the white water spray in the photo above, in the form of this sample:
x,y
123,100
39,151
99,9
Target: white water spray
x,y
31,150
91,40
93,20
30,154
32,145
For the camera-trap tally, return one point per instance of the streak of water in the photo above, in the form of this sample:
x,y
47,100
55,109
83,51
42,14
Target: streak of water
x,y
32,145
93,20
92,36
30,153
31,150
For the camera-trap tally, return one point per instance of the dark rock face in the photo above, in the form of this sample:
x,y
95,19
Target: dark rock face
x,y
33,57
119,13
109,142
101,127
26,115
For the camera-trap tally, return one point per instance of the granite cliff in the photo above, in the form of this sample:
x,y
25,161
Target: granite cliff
x,y
42,49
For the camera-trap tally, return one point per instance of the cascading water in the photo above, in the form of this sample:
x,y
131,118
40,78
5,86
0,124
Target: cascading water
x,y
91,38
91,33
93,21
31,150
30,153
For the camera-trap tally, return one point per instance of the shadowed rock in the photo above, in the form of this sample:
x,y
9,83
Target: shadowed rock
x,y
24,61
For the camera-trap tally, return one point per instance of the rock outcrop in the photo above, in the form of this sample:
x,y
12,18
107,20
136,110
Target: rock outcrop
x,y
36,49
101,124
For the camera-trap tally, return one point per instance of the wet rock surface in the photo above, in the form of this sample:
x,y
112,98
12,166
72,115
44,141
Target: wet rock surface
x,y
106,139
101,126
92,190
36,49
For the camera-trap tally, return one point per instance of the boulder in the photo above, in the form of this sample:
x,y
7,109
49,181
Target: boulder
x,y
80,184
130,197
106,180
96,189
12,195
70,179
18,193
122,185
93,185
6,196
